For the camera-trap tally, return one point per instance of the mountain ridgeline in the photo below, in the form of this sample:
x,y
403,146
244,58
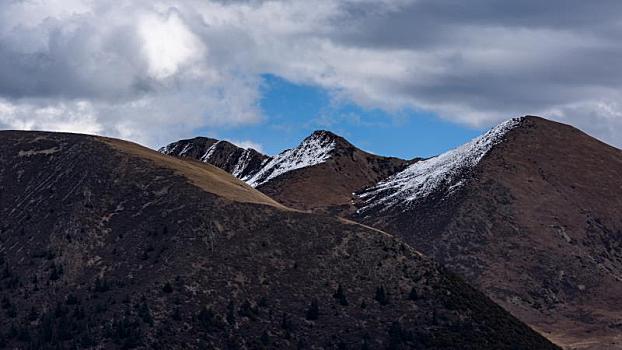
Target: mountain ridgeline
x,y
105,244
529,213
321,174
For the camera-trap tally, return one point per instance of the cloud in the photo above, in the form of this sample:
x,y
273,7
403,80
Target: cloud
x,y
248,144
168,44
75,117
154,70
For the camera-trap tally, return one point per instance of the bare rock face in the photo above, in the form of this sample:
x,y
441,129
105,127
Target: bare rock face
x,y
105,244
531,214
240,162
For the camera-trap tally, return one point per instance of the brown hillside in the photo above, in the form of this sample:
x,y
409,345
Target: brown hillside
x,y
538,227
328,187
107,245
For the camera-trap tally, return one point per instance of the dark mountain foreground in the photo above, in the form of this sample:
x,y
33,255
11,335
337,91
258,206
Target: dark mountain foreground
x,y
105,244
531,214
319,175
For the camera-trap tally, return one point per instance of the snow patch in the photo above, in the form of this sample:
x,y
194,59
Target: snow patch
x,y
210,151
185,150
313,150
242,163
35,152
424,177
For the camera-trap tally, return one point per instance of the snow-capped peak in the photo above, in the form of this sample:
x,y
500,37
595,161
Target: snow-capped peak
x,y
424,177
313,150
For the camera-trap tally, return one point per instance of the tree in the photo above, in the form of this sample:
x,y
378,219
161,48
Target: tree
x,y
101,285
11,312
265,338
145,313
313,312
206,318
71,300
231,313
340,296
413,294
57,271
247,310
381,296
176,314
33,315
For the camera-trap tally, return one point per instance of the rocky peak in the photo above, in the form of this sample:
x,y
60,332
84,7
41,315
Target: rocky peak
x,y
445,172
240,162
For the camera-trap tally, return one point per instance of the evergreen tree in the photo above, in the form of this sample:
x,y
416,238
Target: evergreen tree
x,y
168,288
381,296
313,312
206,318
231,313
340,296
413,294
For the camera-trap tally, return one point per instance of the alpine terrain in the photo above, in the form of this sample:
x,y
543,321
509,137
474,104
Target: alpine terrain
x,y
531,214
105,244
320,174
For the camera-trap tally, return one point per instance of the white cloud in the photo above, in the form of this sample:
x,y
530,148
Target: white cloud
x,y
167,43
77,116
248,144
155,70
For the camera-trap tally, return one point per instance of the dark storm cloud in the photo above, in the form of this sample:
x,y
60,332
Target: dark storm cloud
x,y
433,23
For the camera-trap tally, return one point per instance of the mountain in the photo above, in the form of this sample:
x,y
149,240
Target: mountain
x,y
320,174
240,162
529,213
105,244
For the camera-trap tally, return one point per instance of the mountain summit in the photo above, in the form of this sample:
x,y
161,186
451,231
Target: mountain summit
x,y
315,149
440,175
530,214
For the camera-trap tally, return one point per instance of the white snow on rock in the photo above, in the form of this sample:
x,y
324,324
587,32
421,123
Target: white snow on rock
x,y
242,163
313,150
424,177
208,154
168,149
185,150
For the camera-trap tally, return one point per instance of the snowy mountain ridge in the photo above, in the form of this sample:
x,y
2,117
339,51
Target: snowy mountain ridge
x,y
251,166
313,150
424,177
240,162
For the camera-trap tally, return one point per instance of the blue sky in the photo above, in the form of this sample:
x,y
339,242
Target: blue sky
x,y
293,111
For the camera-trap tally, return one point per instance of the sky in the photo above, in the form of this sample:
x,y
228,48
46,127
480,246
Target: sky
x,y
395,77
297,110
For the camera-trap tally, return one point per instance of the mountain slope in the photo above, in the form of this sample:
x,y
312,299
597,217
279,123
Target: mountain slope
x,y
333,170
106,244
530,214
320,174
